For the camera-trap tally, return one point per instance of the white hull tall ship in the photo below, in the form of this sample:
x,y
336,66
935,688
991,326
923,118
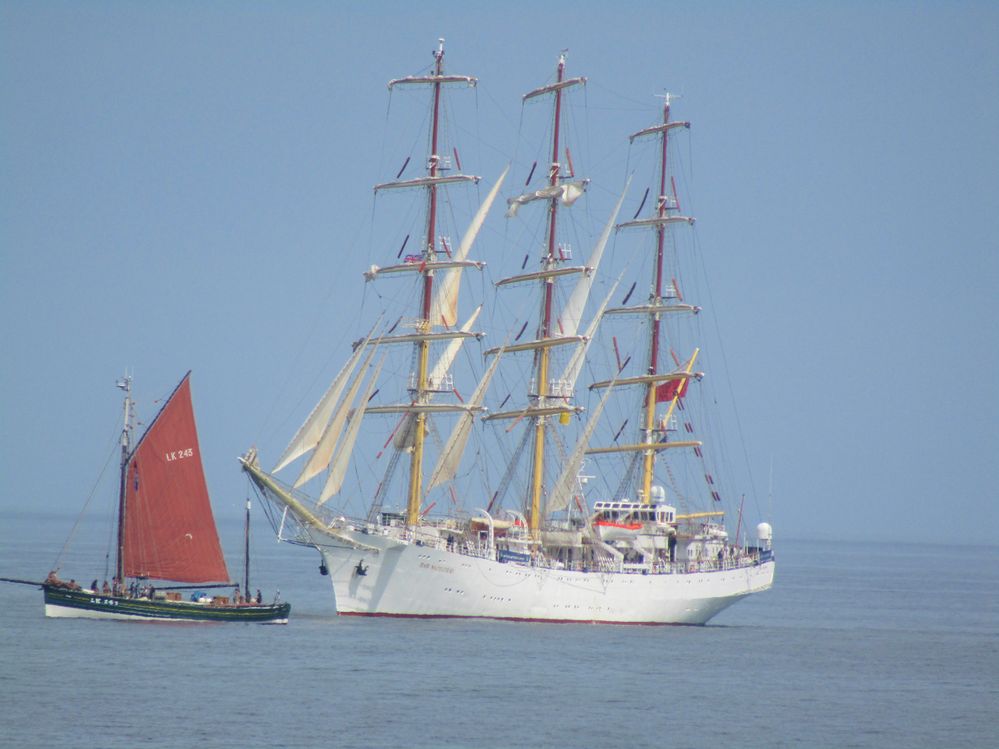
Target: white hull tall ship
x,y
537,542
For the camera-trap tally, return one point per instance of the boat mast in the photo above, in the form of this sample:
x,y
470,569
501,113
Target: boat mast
x,y
246,551
424,324
542,355
126,445
648,462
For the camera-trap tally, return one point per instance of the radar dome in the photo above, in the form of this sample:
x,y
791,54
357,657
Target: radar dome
x,y
764,532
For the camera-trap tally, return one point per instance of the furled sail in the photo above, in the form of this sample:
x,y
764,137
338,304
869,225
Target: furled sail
x,y
324,450
567,194
444,310
572,313
450,457
170,531
309,434
338,470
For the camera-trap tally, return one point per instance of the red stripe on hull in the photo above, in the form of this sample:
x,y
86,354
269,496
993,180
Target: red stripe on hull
x,y
514,619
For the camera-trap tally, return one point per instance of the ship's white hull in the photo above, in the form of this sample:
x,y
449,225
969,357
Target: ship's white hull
x,y
410,580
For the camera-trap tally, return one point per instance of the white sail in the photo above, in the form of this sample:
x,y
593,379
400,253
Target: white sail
x,y
567,193
404,434
444,309
448,356
324,450
575,364
309,434
338,470
450,457
572,313
562,491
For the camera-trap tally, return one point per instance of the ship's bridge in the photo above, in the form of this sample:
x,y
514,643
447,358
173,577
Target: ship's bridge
x,y
625,511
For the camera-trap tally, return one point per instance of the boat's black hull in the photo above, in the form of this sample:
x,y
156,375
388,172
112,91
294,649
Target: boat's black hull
x,y
65,603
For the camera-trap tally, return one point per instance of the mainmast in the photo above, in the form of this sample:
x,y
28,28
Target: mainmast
x,y
548,263
126,447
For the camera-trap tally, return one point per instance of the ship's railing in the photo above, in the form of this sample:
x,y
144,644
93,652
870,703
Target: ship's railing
x,y
482,550
447,535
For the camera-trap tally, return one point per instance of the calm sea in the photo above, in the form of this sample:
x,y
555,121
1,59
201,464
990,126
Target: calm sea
x,y
858,645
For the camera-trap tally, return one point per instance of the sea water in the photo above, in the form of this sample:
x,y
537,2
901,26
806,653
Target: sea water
x,y
857,645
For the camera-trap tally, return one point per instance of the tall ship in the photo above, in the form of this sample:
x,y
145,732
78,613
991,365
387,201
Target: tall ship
x,y
516,528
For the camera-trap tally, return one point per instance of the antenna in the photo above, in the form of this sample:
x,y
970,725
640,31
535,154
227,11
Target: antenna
x,y
770,491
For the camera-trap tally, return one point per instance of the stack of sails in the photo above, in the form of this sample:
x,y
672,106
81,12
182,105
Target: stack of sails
x,y
330,432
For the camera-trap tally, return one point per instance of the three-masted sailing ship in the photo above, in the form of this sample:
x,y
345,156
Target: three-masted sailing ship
x,y
530,548
167,541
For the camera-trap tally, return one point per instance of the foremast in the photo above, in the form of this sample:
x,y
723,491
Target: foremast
x,y
420,390
331,430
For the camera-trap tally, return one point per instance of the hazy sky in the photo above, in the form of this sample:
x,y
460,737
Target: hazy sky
x,y
187,185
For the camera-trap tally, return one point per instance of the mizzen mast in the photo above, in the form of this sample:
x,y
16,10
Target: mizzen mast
x,y
666,213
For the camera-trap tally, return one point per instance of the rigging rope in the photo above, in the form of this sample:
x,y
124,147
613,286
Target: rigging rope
x,y
93,490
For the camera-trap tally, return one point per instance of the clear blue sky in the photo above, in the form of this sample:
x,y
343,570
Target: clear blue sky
x,y
188,186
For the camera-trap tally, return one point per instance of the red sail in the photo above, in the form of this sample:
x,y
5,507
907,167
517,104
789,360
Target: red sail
x,y
170,531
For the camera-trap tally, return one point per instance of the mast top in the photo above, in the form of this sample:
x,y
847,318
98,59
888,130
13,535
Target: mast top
x,y
437,76
559,84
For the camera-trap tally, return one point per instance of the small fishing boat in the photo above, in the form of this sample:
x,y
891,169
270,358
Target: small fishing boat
x,y
168,547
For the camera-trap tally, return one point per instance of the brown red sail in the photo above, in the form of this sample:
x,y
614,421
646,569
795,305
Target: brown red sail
x,y
170,531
